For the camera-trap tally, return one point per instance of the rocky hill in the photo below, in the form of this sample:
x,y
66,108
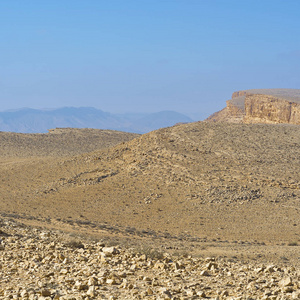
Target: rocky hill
x,y
191,211
271,106
199,181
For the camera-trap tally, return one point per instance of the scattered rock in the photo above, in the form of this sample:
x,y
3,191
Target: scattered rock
x,y
32,269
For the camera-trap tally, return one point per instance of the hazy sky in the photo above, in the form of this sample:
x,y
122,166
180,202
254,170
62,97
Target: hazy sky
x,y
145,55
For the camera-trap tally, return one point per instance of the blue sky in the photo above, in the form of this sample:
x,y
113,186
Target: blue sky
x,y
145,55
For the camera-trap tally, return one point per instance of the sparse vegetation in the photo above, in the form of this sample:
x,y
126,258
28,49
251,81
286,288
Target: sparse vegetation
x,y
293,244
75,244
152,253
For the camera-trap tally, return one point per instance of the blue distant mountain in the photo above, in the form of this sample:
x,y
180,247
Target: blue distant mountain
x,y
27,120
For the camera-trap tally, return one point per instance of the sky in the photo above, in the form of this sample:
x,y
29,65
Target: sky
x,y
137,56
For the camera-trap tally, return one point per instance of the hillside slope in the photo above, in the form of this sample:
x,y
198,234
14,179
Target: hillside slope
x,y
199,181
59,142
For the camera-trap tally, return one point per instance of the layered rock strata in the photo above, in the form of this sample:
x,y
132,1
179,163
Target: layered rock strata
x,y
269,109
270,106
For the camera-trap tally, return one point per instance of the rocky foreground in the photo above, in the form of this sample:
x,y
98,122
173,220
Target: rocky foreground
x,y
37,263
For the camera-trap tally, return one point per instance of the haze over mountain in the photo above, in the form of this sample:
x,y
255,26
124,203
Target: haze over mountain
x,y
27,120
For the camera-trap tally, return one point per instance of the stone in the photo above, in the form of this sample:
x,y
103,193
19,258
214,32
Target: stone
x,y
24,294
111,281
80,286
91,291
269,269
110,250
45,293
201,294
224,293
287,281
204,273
296,295
92,281
149,292
159,265
190,293
288,289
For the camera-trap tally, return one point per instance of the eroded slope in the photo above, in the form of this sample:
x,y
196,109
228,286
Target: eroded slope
x,y
199,181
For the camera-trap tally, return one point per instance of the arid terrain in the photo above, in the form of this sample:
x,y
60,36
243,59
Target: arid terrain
x,y
266,106
198,210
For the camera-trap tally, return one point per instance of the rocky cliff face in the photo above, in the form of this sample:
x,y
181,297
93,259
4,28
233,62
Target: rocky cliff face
x,y
233,112
239,94
269,109
271,106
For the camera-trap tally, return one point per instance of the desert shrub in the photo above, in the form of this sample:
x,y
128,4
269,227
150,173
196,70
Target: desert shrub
x,y
292,244
75,244
151,253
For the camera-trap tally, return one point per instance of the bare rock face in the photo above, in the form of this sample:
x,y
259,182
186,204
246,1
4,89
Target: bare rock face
x,y
234,112
269,106
270,109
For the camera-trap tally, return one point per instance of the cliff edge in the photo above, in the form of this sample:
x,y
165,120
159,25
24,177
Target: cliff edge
x,y
269,106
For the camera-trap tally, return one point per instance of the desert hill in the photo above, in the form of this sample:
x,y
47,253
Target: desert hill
x,y
199,210
59,142
200,182
271,106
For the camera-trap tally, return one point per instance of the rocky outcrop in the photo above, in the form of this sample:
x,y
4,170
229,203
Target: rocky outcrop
x,y
270,109
233,112
270,106
239,94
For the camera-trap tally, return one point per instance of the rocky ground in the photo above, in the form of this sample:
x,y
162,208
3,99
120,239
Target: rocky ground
x,y
36,263
225,191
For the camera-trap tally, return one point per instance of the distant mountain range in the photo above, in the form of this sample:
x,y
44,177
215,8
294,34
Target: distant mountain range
x,y
27,120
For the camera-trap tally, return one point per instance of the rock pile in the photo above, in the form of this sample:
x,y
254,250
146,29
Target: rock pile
x,y
45,264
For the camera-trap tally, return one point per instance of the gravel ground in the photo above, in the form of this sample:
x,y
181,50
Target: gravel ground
x,y
37,263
